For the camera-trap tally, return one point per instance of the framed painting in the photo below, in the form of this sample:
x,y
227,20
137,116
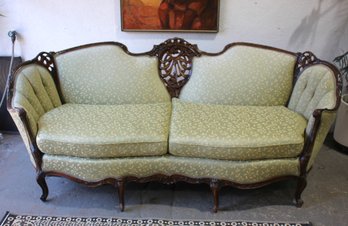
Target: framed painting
x,y
170,15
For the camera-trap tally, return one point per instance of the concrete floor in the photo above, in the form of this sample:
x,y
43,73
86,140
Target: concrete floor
x,y
325,198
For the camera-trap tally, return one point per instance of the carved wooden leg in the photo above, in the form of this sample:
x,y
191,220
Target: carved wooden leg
x,y
120,186
41,180
214,186
301,185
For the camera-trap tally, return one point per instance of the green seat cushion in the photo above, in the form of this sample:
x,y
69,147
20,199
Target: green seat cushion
x,y
235,132
102,131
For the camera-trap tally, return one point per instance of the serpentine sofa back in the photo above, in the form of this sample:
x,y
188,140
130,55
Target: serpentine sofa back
x,y
242,82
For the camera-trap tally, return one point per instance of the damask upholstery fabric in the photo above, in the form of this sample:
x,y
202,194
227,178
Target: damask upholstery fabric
x,y
242,172
103,131
35,92
107,75
242,75
235,132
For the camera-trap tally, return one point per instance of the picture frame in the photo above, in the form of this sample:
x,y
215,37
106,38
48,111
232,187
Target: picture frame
x,y
170,15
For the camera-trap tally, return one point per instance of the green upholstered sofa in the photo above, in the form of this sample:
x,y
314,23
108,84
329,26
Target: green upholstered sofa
x,y
245,117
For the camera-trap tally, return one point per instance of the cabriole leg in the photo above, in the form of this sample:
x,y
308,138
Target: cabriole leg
x,y
214,186
301,185
41,180
120,187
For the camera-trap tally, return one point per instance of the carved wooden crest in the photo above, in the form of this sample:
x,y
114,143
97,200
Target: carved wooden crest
x,y
304,60
46,60
175,63
307,59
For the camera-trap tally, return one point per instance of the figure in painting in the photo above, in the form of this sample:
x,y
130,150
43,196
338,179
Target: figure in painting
x,y
188,14
170,15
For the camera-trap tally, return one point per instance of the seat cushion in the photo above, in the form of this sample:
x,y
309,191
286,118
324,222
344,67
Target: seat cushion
x,y
235,132
102,131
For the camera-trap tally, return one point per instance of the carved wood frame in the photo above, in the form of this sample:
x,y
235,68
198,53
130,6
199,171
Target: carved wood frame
x,y
176,51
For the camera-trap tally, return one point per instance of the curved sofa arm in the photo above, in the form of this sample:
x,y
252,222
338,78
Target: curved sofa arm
x,y
324,119
31,94
316,96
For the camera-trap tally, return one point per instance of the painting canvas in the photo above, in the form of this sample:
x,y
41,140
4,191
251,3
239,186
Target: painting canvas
x,y
170,15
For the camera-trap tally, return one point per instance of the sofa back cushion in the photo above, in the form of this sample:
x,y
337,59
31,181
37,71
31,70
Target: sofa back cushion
x,y
106,74
243,75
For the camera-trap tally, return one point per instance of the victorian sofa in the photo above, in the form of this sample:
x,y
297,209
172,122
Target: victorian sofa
x,y
245,117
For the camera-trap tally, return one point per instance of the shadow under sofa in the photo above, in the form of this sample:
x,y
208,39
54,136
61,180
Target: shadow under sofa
x,y
246,117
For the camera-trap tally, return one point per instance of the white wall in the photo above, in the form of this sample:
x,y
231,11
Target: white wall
x,y
296,25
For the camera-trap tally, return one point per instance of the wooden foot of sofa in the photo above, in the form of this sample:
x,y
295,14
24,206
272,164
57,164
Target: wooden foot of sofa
x,y
41,180
214,186
120,187
301,185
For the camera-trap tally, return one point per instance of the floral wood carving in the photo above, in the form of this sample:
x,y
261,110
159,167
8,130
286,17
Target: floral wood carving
x,y
46,60
307,59
175,63
339,84
304,60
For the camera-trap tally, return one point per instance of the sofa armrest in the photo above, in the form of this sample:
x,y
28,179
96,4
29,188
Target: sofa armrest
x,y
316,96
316,132
19,117
32,93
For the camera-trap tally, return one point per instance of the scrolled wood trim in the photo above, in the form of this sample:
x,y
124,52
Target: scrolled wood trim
x,y
171,179
304,60
118,44
176,43
214,184
247,44
175,63
308,59
46,60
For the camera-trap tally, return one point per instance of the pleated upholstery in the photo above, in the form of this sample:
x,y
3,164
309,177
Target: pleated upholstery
x,y
35,92
315,89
